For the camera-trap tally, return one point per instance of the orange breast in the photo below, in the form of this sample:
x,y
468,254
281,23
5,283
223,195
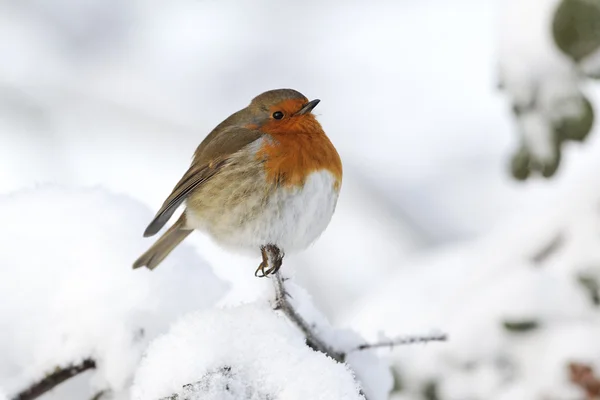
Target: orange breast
x,y
292,155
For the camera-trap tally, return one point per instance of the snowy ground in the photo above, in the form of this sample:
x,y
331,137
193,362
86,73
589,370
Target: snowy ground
x,y
69,293
430,230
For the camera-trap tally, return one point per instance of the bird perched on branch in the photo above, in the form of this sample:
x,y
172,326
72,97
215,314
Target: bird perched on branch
x,y
265,179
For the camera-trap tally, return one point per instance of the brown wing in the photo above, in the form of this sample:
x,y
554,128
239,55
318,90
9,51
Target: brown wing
x,y
210,157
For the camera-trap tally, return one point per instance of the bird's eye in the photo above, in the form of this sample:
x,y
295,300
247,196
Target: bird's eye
x,y
277,115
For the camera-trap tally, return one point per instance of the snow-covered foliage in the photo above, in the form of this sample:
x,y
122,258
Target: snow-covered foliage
x,y
520,306
68,292
576,31
246,352
543,85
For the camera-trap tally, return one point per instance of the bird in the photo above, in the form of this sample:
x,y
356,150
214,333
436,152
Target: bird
x,y
265,179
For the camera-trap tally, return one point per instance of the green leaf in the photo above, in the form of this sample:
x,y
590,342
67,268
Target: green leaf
x,y
576,27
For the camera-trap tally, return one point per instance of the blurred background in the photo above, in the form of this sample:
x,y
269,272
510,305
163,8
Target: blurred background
x,y
471,193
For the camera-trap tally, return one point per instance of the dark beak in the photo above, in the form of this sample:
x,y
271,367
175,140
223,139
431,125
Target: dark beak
x,y
308,107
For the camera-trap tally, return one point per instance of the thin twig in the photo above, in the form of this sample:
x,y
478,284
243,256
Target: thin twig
x,y
99,395
54,379
282,303
548,249
402,340
313,340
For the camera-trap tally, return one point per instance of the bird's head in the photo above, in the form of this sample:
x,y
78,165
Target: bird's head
x,y
283,111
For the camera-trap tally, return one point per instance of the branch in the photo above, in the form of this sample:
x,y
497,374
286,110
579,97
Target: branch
x,y
282,303
548,249
54,379
312,339
402,340
100,395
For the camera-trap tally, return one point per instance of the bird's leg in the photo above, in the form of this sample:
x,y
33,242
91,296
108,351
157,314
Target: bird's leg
x,y
275,255
276,259
260,271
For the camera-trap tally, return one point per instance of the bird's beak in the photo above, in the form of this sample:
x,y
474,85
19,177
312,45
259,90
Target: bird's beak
x,y
308,107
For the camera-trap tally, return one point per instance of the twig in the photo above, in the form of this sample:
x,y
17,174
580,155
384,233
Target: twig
x,y
282,303
313,340
402,340
54,379
548,249
99,395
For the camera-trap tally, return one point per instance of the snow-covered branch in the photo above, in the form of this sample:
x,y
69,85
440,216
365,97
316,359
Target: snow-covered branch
x,y
405,339
315,342
54,379
212,351
312,338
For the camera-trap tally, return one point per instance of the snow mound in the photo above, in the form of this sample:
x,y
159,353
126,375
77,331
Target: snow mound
x,y
68,291
243,352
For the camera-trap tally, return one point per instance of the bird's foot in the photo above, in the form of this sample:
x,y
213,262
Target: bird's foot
x,y
260,271
263,269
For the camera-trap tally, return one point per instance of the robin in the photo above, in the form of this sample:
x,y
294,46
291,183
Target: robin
x,y
267,178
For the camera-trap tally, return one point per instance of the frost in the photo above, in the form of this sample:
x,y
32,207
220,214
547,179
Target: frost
x,y
244,352
68,292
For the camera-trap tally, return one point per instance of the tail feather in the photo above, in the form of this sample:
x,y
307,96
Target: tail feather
x,y
164,245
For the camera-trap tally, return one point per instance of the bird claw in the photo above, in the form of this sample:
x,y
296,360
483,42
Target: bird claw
x,y
274,268
262,273
264,264
277,262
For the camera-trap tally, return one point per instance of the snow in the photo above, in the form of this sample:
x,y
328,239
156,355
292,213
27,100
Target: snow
x,y
246,352
68,292
542,83
97,307
371,371
590,65
508,282
261,350
409,101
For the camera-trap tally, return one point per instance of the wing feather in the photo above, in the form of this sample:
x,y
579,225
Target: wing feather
x,y
212,158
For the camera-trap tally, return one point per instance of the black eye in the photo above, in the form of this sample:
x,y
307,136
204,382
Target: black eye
x,y
277,115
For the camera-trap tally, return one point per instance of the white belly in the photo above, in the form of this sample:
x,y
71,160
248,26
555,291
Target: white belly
x,y
292,219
